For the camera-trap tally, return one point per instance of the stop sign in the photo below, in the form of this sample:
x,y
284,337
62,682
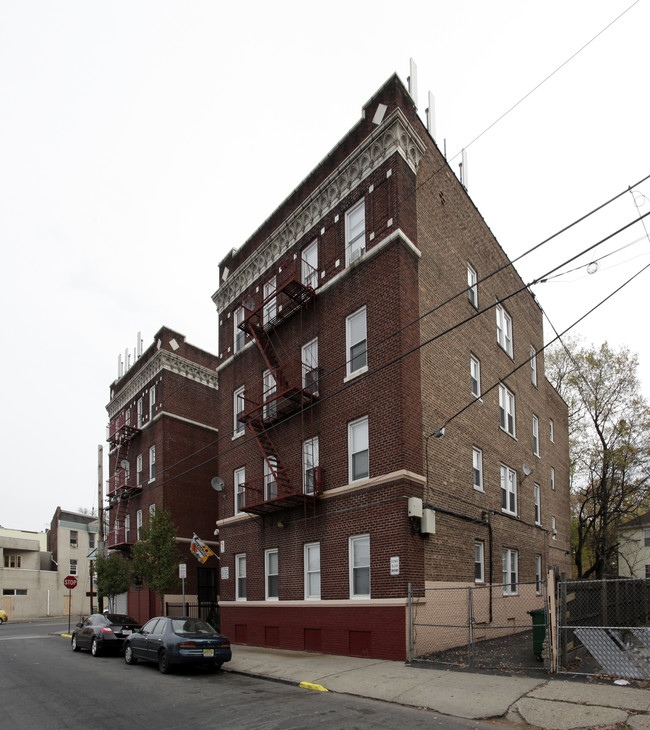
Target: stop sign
x,y
70,581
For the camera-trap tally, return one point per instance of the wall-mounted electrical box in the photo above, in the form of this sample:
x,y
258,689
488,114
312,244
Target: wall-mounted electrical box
x,y
415,507
428,524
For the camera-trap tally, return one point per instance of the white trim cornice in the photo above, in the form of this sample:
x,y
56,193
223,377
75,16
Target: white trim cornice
x,y
395,136
162,360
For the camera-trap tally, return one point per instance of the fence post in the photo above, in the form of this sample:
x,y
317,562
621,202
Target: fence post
x,y
410,624
552,632
470,626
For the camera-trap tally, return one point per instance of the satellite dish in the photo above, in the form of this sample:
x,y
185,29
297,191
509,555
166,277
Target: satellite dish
x,y
124,464
527,470
217,484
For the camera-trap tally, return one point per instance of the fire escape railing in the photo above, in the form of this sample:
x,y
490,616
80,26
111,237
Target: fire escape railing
x,y
275,492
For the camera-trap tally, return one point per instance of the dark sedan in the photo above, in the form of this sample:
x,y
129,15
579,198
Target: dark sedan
x,y
103,632
170,640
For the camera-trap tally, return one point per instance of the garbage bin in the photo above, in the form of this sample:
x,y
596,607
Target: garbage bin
x,y
539,631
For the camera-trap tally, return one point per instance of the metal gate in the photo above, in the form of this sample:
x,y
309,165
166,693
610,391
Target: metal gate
x,y
604,627
480,626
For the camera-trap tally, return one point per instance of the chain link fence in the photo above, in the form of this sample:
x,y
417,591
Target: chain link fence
x,y
480,626
603,627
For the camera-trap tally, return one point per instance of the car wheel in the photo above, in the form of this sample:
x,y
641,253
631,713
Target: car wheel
x,y
163,662
1,620
128,655
75,646
94,647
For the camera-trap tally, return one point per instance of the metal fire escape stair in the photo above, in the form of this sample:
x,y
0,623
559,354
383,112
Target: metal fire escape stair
x,y
290,295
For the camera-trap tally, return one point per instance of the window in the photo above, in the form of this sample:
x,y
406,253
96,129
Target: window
x,y
310,367
270,302
74,538
508,490
240,577
152,463
479,562
551,428
13,561
359,548
355,233
152,511
553,478
310,465
535,435
268,395
477,464
152,401
356,343
646,538
475,375
138,469
270,478
91,540
504,329
533,365
472,286
647,571
312,570
73,565
510,571
237,409
538,574
138,523
239,336
507,410
553,528
358,449
538,504
310,265
240,490
140,407
127,528
116,527
271,574
14,591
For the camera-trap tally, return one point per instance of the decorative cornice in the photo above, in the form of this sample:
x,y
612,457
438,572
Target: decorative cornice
x,y
162,360
395,135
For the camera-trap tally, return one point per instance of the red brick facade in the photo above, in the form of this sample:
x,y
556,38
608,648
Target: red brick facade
x,y
176,385
420,232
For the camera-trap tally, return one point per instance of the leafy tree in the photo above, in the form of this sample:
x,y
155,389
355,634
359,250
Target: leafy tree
x,y
609,443
156,556
114,575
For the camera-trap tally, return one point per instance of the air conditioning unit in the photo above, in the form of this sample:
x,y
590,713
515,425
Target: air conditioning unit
x,y
357,253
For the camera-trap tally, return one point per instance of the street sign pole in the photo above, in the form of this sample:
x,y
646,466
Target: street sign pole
x,y
182,573
69,582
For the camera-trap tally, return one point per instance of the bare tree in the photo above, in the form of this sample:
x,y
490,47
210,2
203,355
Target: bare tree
x,y
609,442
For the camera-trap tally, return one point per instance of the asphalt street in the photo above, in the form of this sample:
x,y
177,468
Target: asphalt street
x,y
47,686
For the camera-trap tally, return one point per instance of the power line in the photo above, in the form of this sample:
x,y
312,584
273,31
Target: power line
x,y
429,341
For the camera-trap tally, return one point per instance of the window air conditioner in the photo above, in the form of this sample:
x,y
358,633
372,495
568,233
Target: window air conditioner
x,y
357,253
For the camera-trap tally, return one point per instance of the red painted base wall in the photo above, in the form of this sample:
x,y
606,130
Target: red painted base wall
x,y
369,631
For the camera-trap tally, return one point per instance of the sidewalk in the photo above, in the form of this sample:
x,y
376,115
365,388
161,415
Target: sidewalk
x,y
555,704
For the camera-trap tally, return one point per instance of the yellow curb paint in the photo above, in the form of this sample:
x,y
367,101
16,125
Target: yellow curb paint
x,y
311,685
67,636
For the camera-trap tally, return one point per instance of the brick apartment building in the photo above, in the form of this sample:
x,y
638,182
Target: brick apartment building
x,y
354,324
162,434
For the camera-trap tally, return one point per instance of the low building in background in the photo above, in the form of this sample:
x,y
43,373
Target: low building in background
x,y
634,548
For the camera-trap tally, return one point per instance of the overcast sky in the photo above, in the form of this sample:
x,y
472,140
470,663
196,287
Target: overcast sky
x,y
140,141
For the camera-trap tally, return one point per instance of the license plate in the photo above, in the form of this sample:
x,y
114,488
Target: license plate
x,y
208,652
126,632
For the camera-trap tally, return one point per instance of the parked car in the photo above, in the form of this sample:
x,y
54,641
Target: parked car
x,y
170,640
3,616
103,632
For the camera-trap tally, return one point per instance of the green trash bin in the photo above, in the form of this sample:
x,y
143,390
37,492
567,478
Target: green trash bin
x,y
539,631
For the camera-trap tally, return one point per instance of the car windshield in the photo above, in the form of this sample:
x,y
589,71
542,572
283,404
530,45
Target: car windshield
x,y
191,626
120,618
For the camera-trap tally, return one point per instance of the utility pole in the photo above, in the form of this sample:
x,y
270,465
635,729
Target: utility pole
x,y
101,550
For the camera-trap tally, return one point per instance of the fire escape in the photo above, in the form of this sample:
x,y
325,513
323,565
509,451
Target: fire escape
x,y
288,387
120,485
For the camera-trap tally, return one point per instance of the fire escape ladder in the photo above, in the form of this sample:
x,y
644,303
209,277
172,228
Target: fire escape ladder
x,y
270,453
263,342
